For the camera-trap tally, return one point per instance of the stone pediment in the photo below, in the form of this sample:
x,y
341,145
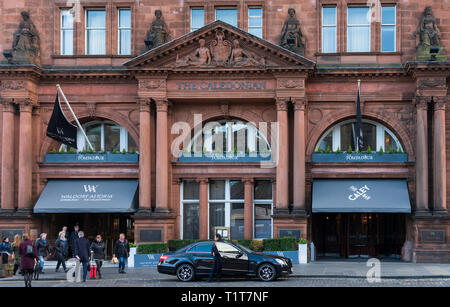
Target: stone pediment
x,y
219,46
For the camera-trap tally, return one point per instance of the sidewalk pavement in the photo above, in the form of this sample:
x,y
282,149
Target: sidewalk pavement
x,y
318,269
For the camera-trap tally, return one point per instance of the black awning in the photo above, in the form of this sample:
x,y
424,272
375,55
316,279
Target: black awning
x,y
88,196
360,195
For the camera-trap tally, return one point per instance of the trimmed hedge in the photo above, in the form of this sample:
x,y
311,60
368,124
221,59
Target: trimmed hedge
x,y
177,244
152,248
255,245
280,244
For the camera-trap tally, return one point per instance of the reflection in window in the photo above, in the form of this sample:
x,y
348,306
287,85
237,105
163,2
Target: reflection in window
x,y
343,135
197,18
329,25
237,221
190,209
124,31
66,32
358,29
388,28
262,192
228,15
95,32
255,21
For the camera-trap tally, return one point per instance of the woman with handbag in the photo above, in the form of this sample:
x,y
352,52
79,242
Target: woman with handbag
x,y
61,251
98,253
28,255
122,250
15,254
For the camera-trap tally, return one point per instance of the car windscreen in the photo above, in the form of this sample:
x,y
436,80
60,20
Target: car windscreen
x,y
245,249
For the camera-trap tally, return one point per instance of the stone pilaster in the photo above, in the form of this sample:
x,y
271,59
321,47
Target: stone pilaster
x,y
25,156
8,178
248,208
282,155
203,209
162,162
439,156
421,104
299,154
144,155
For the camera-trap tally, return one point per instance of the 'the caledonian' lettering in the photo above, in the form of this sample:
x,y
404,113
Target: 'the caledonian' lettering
x,y
221,85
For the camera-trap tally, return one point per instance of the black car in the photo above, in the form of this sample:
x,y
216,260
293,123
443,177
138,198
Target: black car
x,y
196,260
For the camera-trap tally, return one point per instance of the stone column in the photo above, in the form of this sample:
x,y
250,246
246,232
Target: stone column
x,y
25,156
7,183
144,155
282,150
421,104
248,208
439,166
162,163
299,154
203,209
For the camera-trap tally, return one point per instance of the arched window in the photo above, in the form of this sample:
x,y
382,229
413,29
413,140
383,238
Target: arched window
x,y
228,136
105,136
343,135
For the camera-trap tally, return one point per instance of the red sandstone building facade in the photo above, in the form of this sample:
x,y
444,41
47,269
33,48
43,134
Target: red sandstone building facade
x,y
285,80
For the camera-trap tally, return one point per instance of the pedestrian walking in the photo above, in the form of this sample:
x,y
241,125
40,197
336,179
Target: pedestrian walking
x,y
121,251
15,250
98,253
43,249
28,257
217,266
82,252
61,251
73,238
5,250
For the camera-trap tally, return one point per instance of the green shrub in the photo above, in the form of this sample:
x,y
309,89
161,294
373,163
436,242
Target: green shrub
x,y
280,244
338,150
152,248
369,149
349,150
72,150
177,244
381,150
124,151
62,150
400,150
328,150
391,151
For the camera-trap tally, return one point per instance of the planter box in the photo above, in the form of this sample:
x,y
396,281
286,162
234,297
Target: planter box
x,y
359,157
303,253
90,158
133,251
293,255
146,260
223,157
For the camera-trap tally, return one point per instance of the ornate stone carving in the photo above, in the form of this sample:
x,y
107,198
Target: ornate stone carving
x,y
291,34
158,33
431,82
299,103
220,49
440,102
152,84
239,57
290,83
13,85
282,104
225,108
26,44
428,37
162,105
200,57
144,104
421,102
91,109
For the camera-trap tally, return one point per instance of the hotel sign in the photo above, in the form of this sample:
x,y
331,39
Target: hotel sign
x,y
223,85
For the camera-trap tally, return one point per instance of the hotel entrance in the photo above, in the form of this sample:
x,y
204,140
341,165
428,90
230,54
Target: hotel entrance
x,y
359,235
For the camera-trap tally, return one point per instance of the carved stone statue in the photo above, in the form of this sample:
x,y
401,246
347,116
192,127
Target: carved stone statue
x,y
428,37
200,57
26,44
239,57
220,49
291,34
158,33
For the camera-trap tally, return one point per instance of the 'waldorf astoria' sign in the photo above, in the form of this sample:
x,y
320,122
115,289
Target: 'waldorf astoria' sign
x,y
221,85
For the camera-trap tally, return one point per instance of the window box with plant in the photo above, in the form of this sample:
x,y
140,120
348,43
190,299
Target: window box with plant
x,y
360,156
221,156
72,156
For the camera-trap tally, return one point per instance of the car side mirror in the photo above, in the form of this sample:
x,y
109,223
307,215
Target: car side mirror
x,y
239,255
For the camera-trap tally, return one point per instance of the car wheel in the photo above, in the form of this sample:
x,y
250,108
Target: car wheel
x,y
185,272
267,272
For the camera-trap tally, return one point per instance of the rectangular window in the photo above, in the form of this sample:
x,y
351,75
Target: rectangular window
x,y
95,32
358,29
262,200
255,21
197,18
228,15
329,25
388,30
124,34
190,209
66,32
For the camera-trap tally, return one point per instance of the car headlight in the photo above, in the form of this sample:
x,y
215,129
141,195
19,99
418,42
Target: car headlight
x,y
281,262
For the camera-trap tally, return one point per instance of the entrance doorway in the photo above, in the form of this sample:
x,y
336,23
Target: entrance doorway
x,y
359,235
108,225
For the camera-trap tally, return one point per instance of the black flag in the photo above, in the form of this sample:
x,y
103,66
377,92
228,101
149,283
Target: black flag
x,y
359,132
59,128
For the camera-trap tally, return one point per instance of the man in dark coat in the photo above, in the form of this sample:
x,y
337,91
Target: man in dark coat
x,y
121,251
217,267
73,238
82,252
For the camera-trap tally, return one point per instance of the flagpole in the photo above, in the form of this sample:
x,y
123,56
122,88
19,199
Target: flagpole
x,y
74,116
